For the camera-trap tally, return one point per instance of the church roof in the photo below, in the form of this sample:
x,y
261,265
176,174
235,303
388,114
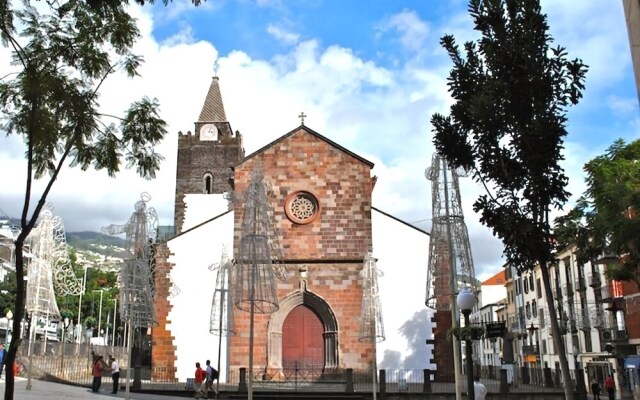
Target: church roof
x,y
213,108
313,133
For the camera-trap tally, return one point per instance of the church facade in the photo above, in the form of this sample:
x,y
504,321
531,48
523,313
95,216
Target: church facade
x,y
321,197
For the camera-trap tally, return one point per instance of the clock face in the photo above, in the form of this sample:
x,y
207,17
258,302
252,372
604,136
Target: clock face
x,y
208,132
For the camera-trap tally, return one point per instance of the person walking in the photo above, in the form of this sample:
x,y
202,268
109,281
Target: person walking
x,y
3,358
479,390
96,372
212,375
595,389
115,374
610,387
198,383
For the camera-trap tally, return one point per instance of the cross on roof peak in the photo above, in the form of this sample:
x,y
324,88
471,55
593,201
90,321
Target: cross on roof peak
x,y
302,116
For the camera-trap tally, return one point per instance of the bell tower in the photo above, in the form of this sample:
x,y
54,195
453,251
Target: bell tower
x,y
206,157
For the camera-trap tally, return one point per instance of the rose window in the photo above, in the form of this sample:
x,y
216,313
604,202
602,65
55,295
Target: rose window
x,y
302,207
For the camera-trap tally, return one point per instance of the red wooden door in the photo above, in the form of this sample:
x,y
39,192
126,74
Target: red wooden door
x,y
302,342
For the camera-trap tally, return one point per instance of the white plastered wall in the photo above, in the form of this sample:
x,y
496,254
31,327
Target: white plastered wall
x,y
193,252
403,255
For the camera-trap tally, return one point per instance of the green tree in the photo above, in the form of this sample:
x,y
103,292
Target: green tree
x,y
8,293
64,55
605,219
506,127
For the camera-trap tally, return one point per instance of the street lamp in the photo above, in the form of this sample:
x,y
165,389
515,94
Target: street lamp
x,y
465,301
9,325
99,311
65,326
84,287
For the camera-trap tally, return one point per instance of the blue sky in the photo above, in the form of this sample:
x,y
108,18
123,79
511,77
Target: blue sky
x,y
369,75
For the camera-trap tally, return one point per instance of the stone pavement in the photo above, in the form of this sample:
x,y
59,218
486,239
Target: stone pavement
x,y
48,390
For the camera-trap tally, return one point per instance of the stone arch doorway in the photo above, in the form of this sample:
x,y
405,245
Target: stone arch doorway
x,y
317,320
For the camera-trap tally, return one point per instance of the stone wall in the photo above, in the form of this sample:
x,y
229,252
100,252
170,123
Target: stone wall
x,y
195,158
163,351
330,248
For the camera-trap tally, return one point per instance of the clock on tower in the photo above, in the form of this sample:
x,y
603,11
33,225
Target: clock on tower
x,y
208,132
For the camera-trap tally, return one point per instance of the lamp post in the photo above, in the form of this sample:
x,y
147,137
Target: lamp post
x,y
532,330
465,301
100,311
84,287
115,313
9,330
64,330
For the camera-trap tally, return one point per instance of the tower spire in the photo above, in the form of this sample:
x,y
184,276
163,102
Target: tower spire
x,y
213,108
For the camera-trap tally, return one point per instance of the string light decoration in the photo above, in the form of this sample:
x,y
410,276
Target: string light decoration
x,y
136,274
221,321
450,261
50,272
371,324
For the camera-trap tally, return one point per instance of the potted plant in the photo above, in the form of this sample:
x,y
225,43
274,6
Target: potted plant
x,y
473,332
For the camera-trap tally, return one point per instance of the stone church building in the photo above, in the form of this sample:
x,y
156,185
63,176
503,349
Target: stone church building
x,y
323,245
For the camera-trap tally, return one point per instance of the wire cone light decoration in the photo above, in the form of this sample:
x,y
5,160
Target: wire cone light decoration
x,y
221,321
371,324
450,262
254,285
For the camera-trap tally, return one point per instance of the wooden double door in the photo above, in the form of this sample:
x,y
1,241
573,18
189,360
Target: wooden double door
x,y
302,340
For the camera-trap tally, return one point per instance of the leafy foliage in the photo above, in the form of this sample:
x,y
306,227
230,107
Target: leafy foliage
x,y
63,53
605,219
507,123
506,127
8,293
462,333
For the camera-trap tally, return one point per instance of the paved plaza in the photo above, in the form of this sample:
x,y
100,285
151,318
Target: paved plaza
x,y
48,390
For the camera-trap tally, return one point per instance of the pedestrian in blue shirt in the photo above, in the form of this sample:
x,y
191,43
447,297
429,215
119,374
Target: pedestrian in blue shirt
x,y
3,358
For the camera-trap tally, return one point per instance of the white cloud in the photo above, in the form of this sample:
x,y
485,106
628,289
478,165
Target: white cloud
x,y
183,36
282,35
412,30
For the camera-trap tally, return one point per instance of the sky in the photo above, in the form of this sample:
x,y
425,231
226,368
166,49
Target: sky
x,y
368,75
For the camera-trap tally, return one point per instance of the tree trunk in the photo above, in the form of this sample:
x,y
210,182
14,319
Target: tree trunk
x,y
555,331
17,319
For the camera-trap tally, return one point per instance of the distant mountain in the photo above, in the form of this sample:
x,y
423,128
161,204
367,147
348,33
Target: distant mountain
x,y
96,242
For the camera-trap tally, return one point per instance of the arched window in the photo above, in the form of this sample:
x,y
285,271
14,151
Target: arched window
x,y
534,309
528,310
207,182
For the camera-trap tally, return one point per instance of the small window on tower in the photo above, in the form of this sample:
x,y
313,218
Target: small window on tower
x,y
208,183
